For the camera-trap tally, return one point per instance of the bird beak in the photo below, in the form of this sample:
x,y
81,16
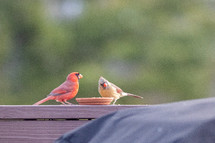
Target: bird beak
x,y
80,76
104,85
103,82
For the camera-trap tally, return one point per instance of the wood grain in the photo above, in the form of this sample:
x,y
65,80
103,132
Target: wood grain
x,y
58,111
46,123
35,131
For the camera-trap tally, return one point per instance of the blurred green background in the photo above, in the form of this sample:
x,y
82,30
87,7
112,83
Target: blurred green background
x,y
162,50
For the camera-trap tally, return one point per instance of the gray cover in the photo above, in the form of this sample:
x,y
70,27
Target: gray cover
x,y
182,122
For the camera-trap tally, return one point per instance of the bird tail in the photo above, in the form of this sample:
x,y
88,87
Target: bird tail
x,y
136,96
43,100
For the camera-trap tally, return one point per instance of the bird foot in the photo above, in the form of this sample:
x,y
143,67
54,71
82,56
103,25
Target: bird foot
x,y
68,103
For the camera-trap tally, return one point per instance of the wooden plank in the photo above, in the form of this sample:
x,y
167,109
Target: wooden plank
x,y
35,131
58,111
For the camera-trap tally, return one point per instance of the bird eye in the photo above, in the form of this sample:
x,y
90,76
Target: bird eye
x,y
77,74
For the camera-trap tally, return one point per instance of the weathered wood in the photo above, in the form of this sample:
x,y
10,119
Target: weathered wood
x,y
35,131
58,112
45,123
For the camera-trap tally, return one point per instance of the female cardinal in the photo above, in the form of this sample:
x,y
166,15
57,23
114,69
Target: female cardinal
x,y
65,91
108,89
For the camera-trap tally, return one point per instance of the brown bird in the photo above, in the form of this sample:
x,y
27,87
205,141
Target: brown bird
x,y
108,89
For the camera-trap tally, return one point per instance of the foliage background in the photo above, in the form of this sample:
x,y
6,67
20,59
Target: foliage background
x,y
162,50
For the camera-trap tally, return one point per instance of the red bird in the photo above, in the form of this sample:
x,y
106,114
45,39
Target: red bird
x,y
65,91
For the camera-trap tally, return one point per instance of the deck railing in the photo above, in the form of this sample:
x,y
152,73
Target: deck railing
x,y
46,123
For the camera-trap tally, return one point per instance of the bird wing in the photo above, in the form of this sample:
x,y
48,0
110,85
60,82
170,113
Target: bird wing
x,y
59,92
62,89
118,90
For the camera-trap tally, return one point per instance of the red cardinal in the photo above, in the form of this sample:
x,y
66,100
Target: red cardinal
x,y
108,89
65,91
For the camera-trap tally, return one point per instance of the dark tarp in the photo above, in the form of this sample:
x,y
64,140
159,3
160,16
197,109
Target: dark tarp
x,y
181,122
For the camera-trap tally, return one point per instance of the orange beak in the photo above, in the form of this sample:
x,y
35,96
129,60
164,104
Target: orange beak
x,y
80,76
104,85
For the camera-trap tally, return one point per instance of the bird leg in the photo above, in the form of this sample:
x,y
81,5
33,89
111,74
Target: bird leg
x,y
67,102
114,101
61,102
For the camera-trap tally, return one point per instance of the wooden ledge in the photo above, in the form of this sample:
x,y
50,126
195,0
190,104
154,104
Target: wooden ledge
x,y
46,123
59,111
